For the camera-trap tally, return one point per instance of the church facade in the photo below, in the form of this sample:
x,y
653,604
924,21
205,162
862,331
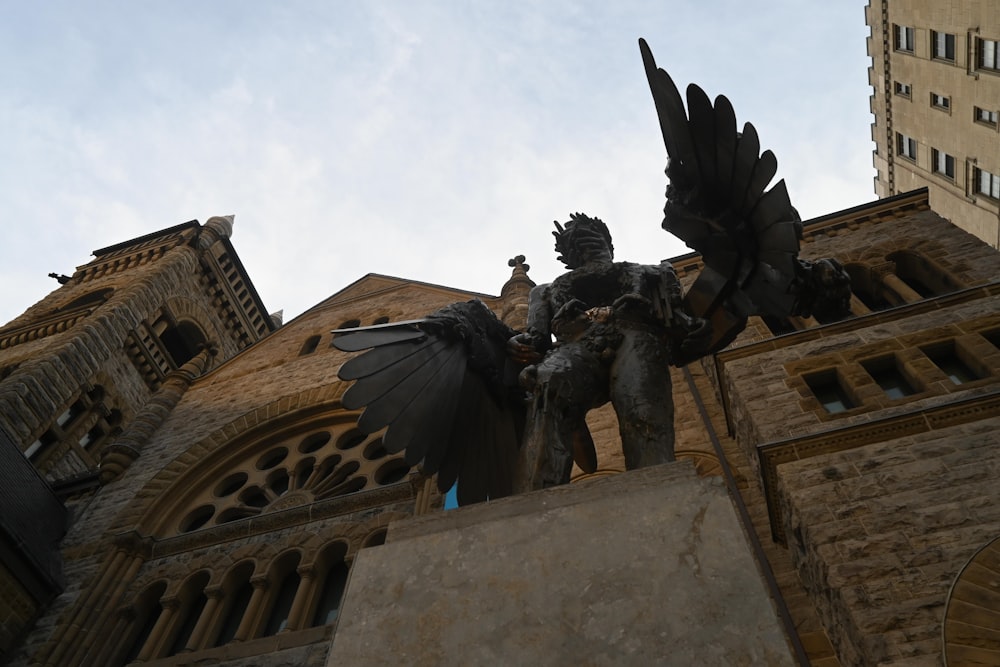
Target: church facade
x,y
182,486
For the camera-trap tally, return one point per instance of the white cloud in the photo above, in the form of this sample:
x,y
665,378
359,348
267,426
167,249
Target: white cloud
x,y
432,140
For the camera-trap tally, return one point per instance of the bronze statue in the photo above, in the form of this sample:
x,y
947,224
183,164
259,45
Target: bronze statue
x,y
499,411
615,326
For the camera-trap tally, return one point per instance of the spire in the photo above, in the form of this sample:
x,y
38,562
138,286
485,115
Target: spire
x,y
515,294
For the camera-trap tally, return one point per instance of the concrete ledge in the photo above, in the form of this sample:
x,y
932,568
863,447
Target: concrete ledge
x,y
648,567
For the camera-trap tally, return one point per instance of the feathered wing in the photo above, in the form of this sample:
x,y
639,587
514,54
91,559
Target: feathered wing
x,y
444,388
719,205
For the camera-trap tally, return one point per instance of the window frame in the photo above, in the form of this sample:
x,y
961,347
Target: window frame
x,y
941,102
828,383
948,163
903,89
906,146
890,376
949,45
992,190
987,117
992,48
903,38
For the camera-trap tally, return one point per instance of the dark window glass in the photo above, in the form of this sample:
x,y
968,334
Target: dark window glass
x,y
946,358
234,614
278,618
329,599
826,387
887,375
190,620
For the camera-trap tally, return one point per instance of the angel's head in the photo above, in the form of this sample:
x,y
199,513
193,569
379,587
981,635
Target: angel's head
x,y
583,239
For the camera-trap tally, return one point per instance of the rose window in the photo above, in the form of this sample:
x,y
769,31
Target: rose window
x,y
295,470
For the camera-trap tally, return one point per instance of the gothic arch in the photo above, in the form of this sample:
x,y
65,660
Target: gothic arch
x,y
972,612
183,309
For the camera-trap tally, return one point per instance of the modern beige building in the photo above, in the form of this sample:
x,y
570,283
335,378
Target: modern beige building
x,y
936,77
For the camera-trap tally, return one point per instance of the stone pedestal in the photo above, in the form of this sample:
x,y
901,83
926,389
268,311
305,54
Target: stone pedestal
x,y
645,568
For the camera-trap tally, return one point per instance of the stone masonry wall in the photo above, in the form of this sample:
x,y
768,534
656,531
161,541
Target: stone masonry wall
x,y
879,534
271,380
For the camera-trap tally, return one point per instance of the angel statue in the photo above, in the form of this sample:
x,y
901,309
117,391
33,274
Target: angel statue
x,y
499,411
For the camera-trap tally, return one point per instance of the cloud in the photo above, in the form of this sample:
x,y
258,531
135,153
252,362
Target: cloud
x,y
430,141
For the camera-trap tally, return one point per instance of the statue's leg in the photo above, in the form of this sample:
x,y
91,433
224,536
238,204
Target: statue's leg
x,y
565,384
641,395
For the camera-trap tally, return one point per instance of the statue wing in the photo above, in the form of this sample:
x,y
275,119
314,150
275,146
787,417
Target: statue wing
x,y
719,205
447,392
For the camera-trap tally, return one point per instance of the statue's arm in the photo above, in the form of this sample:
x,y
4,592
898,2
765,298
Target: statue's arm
x,y
531,345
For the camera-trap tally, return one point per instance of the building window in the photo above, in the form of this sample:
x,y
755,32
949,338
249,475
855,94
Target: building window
x,y
943,46
943,164
946,357
906,146
281,608
828,391
310,345
192,603
147,613
903,89
887,374
903,39
986,116
238,593
986,183
328,607
87,422
940,101
988,54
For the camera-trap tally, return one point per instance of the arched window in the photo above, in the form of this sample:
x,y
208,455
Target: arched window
x,y
285,582
923,275
863,287
89,300
376,539
310,345
330,584
147,613
182,341
237,591
192,603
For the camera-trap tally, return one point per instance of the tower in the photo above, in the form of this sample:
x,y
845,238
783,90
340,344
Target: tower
x,y
103,357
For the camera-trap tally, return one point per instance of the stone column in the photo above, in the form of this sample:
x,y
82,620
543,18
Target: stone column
x,y
197,637
858,307
885,275
249,619
892,282
115,645
153,646
117,457
302,597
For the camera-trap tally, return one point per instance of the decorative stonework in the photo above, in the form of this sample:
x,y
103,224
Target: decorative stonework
x,y
972,616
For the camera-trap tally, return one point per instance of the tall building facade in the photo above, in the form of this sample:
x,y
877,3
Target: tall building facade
x,y
936,77
203,497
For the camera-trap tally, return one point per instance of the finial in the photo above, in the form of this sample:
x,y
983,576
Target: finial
x,y
517,263
222,224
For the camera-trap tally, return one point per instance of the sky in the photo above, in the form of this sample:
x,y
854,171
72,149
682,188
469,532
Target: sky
x,y
427,140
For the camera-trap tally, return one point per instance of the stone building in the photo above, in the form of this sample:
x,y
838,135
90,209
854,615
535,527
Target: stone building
x,y
936,77
203,498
